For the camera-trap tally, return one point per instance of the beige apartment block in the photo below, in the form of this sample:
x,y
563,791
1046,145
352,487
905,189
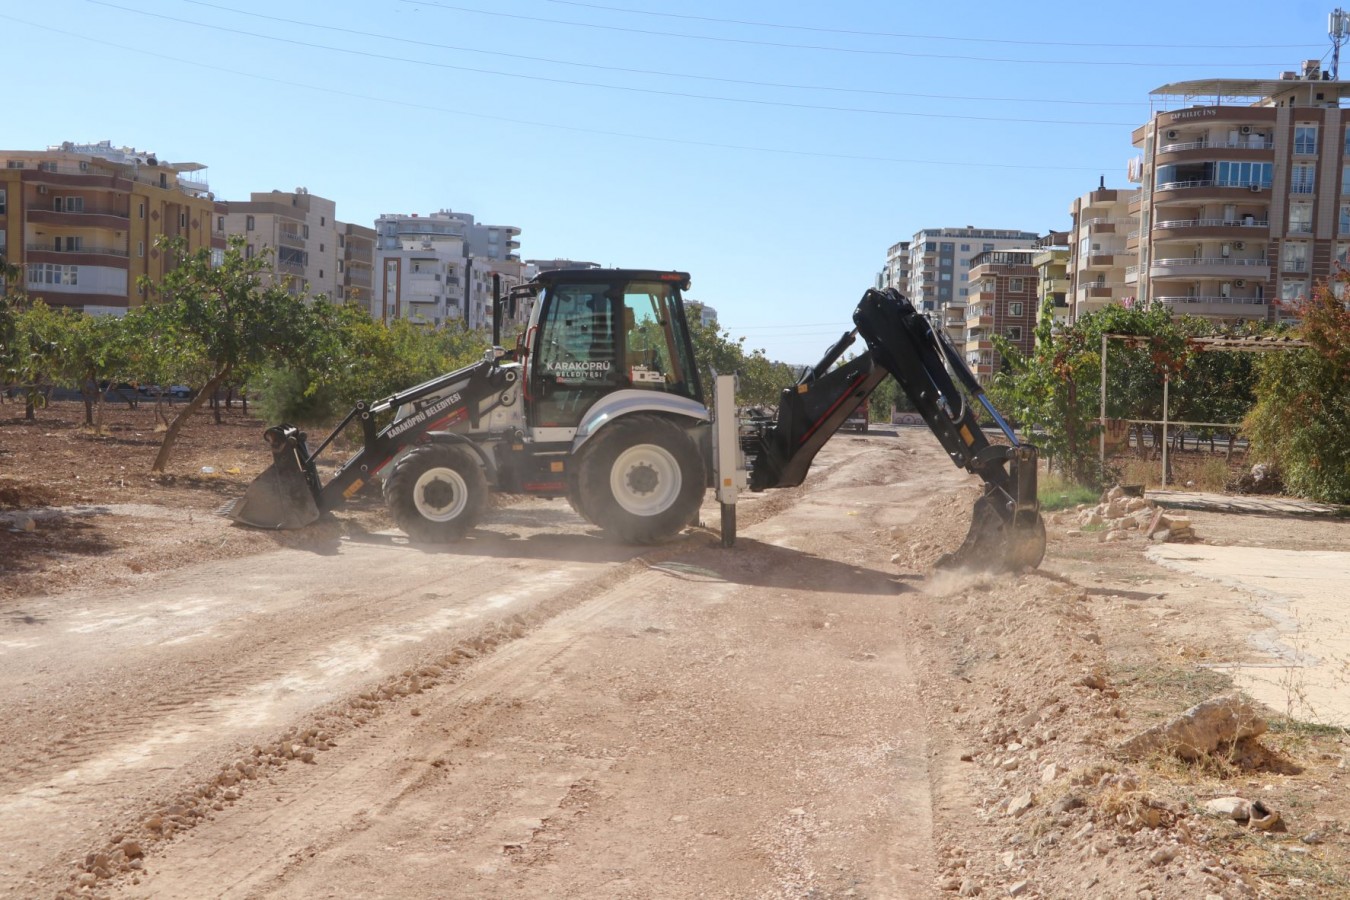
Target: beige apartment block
x,y
1051,261
82,221
300,231
1244,201
1103,233
356,245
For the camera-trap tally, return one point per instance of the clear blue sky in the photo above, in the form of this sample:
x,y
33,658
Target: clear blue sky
x,y
774,150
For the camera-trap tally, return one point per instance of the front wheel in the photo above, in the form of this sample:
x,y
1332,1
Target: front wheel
x,y
436,492
641,479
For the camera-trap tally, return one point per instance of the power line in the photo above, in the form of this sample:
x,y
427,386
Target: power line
x,y
612,87
663,138
853,50
664,74
925,37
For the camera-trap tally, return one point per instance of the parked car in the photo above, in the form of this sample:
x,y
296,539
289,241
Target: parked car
x,y
181,391
858,419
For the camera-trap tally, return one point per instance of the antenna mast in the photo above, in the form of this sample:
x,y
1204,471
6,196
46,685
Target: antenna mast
x,y
1338,28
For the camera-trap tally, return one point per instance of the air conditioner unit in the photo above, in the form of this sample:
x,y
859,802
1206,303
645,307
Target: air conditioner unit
x,y
1254,188
1245,129
1239,245
1172,135
1240,283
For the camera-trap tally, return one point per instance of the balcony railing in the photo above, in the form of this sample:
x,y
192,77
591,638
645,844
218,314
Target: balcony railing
x,y
1211,261
1209,182
49,248
1222,145
88,210
1211,223
1294,265
1236,301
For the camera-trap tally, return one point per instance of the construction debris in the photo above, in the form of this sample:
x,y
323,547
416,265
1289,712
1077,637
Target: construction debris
x,y
1218,724
1119,515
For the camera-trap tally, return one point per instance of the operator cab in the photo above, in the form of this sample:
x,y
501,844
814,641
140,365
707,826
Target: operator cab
x,y
597,331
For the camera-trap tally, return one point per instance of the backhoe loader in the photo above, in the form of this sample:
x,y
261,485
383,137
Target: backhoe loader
x,y
600,402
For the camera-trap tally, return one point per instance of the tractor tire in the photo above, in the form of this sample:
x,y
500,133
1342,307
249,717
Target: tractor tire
x,y
641,479
436,492
574,498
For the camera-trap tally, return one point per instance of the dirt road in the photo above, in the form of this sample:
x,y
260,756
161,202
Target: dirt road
x,y
538,712
532,712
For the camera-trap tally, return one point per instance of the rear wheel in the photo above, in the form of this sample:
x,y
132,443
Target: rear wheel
x,y
436,492
641,479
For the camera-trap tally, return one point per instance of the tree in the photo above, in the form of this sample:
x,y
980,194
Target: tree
x,y
1301,422
36,351
1056,387
218,319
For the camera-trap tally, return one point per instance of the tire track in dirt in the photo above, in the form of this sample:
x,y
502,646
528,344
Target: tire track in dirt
x,y
149,730
488,783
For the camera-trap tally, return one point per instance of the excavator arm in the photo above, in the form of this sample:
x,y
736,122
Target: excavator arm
x,y
1006,529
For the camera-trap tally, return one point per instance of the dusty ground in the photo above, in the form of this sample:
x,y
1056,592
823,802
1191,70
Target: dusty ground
x,y
191,709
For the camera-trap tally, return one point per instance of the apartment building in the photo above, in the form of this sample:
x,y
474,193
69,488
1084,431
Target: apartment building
x,y
1051,261
1001,300
439,268
356,265
896,273
1244,201
1103,247
300,230
939,269
82,221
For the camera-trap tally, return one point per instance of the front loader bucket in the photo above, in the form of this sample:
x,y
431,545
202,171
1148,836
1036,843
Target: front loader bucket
x,y
279,498
994,544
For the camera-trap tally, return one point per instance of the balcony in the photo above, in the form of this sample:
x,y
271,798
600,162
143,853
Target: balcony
x,y
1224,267
1257,143
288,238
1169,190
89,217
83,250
1131,274
1225,307
1219,228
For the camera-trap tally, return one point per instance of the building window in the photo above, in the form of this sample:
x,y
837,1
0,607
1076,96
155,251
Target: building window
x,y
1305,140
53,273
140,248
965,248
321,248
248,251
18,163
220,223
140,207
1014,309
182,220
1293,289
987,248
304,231
2,201
248,223
323,220
1301,178
1295,257
948,246
1015,286
1343,226
1300,219
1015,333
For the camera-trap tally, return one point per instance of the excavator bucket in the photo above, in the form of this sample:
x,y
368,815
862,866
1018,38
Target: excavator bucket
x,y
994,544
279,498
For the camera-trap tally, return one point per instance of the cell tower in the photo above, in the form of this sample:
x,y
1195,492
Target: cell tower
x,y
1338,28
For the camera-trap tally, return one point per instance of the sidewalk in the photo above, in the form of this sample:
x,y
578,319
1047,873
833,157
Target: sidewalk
x,y
1306,596
1245,503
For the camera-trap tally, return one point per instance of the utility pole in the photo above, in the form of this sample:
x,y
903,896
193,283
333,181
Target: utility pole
x,y
1338,27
